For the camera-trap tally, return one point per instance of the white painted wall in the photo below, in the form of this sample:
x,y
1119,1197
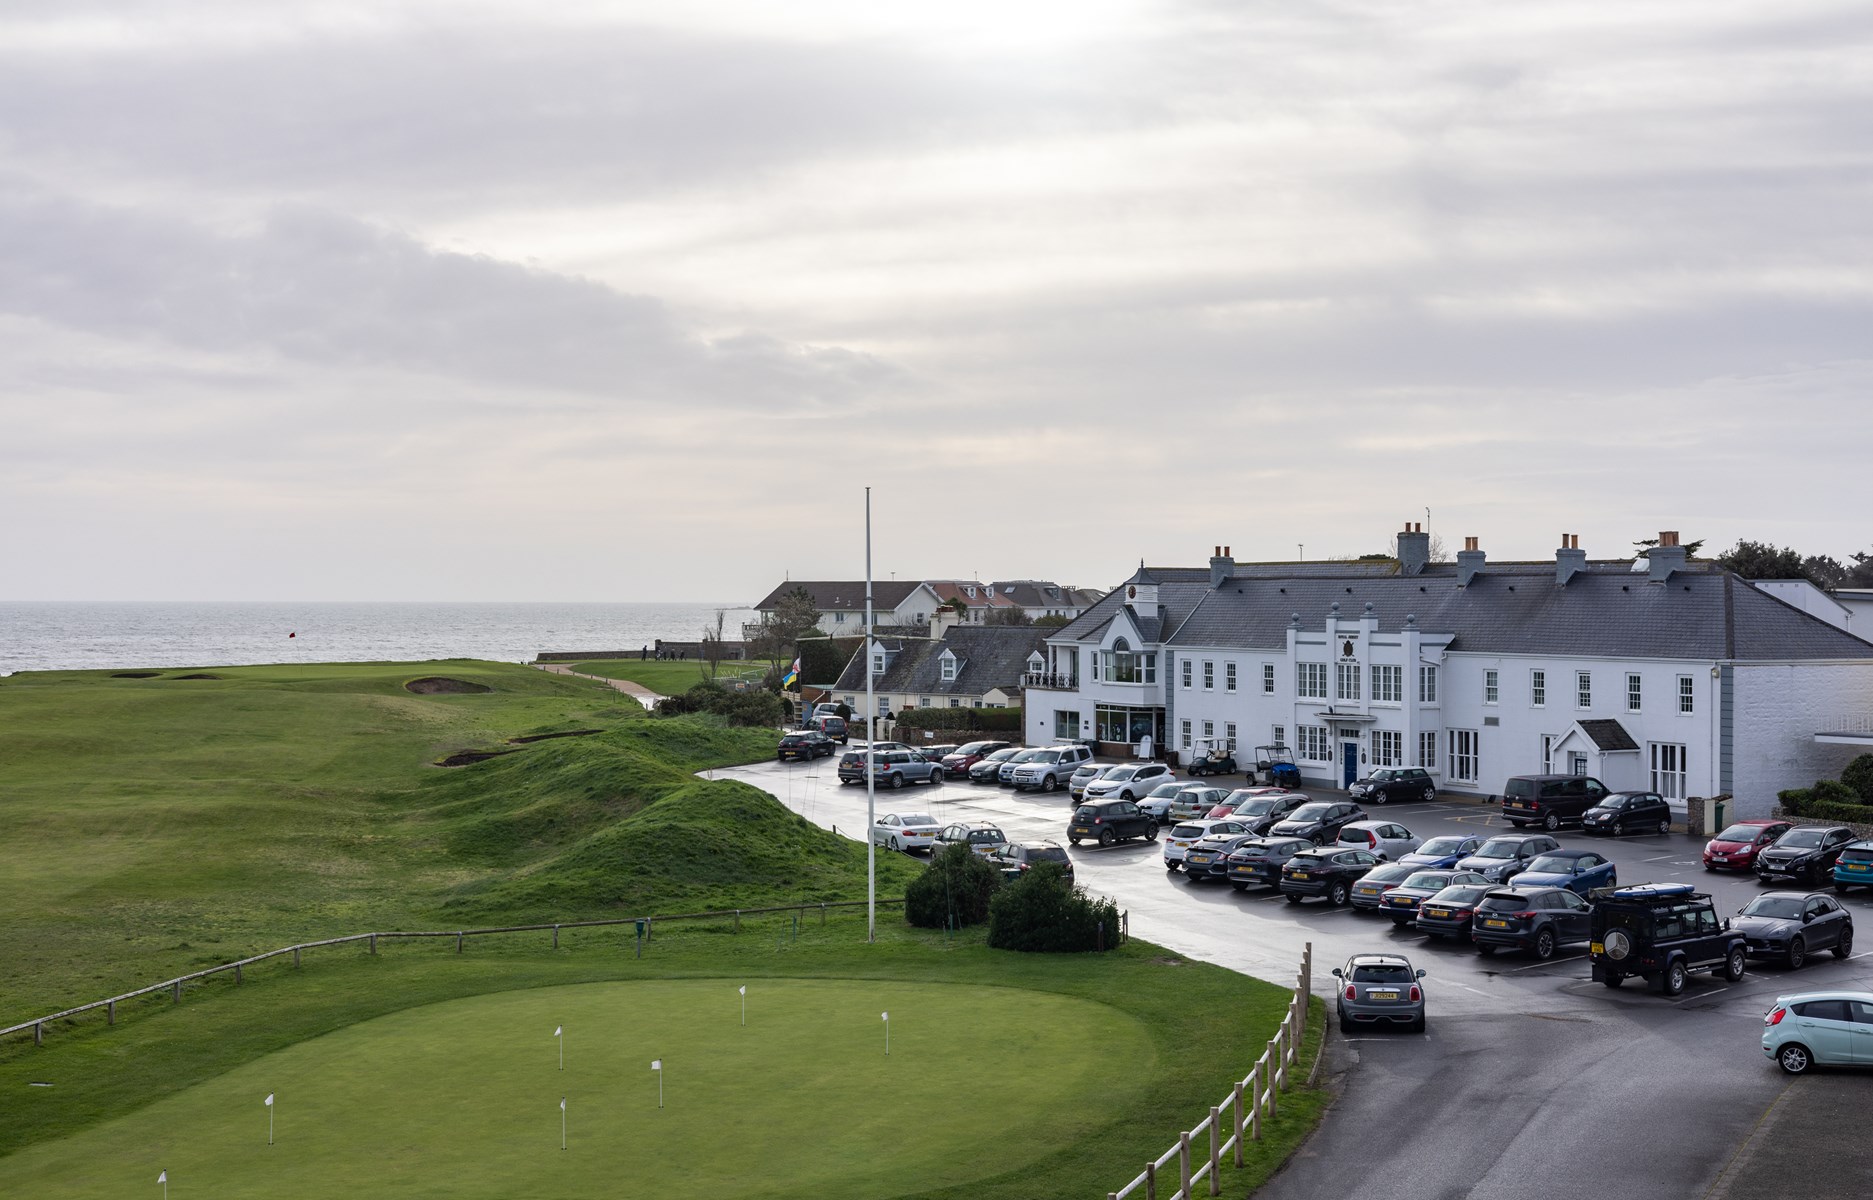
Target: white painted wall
x,y
1779,709
1809,598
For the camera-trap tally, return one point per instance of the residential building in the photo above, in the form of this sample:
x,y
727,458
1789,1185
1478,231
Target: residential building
x,y
964,666
841,604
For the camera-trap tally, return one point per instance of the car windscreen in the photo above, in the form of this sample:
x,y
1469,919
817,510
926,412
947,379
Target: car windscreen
x,y
1388,873
1518,789
1046,756
1499,848
1290,848
1164,790
986,837
1740,833
1800,839
1787,908
1382,973
1259,807
1028,755
972,748
1002,755
1384,776
1439,846
1121,774
1310,812
1559,864
1503,903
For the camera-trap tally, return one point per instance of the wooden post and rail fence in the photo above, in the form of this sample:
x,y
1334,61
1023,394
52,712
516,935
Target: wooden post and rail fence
x,y
37,1026
1261,1091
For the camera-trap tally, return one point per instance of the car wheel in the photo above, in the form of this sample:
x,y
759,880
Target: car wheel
x,y
1417,1026
1380,796
1151,831
1664,827
1338,894
1107,837
1612,979
937,775
1291,897
1400,922
1673,983
1048,784
897,781
893,842
1794,1058
1735,965
1544,944
1840,889
1073,841
1170,865
1797,954
1240,887
1430,794
1551,822
1845,947
1485,949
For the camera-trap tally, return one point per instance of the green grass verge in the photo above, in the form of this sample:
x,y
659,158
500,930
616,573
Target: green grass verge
x,y
1154,1040
669,678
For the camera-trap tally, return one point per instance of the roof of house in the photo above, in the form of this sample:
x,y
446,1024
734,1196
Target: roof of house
x,y
985,595
1607,734
844,595
1609,610
991,656
1043,593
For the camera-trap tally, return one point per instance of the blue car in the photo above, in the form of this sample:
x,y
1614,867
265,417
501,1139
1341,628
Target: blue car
x,y
1441,852
1579,871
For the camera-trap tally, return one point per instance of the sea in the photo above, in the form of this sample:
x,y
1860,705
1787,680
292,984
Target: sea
x,y
93,635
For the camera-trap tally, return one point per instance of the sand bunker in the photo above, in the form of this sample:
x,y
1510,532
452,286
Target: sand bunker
x,y
439,685
547,737
468,758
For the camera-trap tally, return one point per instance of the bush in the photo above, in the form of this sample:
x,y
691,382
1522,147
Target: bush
x,y
1827,800
1859,776
1042,912
954,892
986,719
754,708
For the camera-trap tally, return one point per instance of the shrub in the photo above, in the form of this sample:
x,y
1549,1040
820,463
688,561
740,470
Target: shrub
x,y
1827,800
987,719
755,708
954,892
1859,776
1042,912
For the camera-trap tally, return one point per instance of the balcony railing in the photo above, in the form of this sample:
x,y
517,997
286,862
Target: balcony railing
x,y
1059,681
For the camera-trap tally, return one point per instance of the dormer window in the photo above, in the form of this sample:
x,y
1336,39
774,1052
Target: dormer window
x,y
877,662
947,666
971,591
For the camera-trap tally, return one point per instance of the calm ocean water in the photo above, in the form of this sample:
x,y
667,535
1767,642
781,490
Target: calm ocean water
x,y
60,636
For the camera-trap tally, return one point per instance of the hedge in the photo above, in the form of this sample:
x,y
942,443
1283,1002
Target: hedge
x,y
1042,912
1006,720
1827,800
953,892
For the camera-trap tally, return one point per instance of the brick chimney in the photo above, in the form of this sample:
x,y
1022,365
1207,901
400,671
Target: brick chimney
x,y
942,620
1414,549
1469,562
1570,560
1222,566
1666,557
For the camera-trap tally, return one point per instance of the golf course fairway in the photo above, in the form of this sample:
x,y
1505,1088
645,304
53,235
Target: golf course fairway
x,y
462,1098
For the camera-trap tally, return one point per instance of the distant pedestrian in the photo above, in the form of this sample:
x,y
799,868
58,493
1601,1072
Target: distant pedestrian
x,y
644,653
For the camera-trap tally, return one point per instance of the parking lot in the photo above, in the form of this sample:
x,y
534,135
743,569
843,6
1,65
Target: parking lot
x,y
1531,1074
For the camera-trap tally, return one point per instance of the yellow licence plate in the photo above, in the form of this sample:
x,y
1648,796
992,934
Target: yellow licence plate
x,y
1383,995
1434,912
1081,829
1596,948
1300,875
1497,924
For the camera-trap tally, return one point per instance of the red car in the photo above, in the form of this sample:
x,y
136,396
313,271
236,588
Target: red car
x,y
957,764
1735,848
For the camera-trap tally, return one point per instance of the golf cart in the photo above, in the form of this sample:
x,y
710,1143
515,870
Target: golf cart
x,y
1210,759
1276,764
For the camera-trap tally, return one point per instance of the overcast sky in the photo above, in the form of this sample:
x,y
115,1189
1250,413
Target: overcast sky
x,y
483,299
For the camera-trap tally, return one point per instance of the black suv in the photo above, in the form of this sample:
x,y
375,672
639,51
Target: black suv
x,y
1624,812
1536,919
1548,800
1806,852
1319,822
1109,821
1328,872
805,745
1661,932
1394,783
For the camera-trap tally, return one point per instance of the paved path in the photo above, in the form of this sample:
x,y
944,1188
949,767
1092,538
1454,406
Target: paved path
x,y
636,691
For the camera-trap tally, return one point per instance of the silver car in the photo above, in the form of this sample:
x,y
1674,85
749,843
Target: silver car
x,y
1129,781
1380,989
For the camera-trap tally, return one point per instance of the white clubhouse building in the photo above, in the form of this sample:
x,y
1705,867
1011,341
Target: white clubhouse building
x,y
1667,674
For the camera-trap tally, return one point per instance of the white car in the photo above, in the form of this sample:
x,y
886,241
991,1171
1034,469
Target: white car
x,y
1129,781
1158,803
905,831
1188,833
1386,839
1194,801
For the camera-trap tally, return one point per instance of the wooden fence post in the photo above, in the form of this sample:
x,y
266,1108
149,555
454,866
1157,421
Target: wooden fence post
x,y
177,997
738,920
110,1013
555,937
39,1033
237,972
1151,1181
1255,1100
295,958
373,943
1235,1109
1216,1150
822,912
458,943
1183,1165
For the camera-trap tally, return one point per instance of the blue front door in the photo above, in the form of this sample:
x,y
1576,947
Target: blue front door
x,y
1349,763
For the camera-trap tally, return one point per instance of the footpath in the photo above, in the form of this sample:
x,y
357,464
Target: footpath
x,y
636,691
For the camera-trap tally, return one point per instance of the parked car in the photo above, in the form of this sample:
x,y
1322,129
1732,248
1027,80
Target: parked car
x,y
805,745
1540,920
1501,857
906,831
1195,801
1128,781
1212,760
1370,891
1050,768
1450,912
1789,926
1380,989
1084,774
1264,809
1661,932
1005,774
938,753
1261,860
981,838
959,760
1735,848
1017,858
1209,858
1628,812
989,765
1818,1027
1394,783
1806,852
832,725
1325,871
1854,867
1549,800
1579,871
894,769
1387,839
852,762
1319,822
1443,851
1157,802
1109,821
1186,834
1401,902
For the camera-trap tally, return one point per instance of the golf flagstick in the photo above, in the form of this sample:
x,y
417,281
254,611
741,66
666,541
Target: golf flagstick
x,y
164,1180
562,1122
887,1033
744,1004
559,1030
269,1118
656,1064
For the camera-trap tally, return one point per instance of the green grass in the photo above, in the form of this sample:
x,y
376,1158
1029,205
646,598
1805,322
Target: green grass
x,y
1051,1075
669,678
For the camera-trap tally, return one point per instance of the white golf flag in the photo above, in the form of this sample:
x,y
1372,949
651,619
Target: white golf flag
x,y
558,1029
744,989
886,1016
562,1104
269,1099
656,1064
163,1178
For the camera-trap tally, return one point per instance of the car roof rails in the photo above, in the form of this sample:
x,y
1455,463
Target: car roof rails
x,y
1652,891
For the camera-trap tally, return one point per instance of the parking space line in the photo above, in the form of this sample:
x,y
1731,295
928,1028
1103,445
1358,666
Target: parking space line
x,y
1548,963
1660,858
1712,992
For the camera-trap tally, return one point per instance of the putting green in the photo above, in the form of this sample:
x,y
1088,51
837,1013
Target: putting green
x,y
461,1099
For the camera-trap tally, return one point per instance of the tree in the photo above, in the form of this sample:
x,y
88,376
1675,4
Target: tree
x,y
1057,621
1764,560
1009,616
1690,548
712,642
778,638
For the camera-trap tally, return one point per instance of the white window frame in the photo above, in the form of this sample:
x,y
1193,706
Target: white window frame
x,y
1187,669
1492,686
1538,688
1547,753
1229,736
1278,734
1209,732
1268,679
957,702
1427,751
947,667
1388,683
877,663
1184,729
1314,743
1346,681
1310,681
1687,695
1635,692
1209,675
1427,683
1583,689
1229,677
1670,768
1388,748
1465,755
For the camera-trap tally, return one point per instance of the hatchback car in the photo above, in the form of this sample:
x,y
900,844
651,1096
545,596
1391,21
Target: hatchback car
x,y
1401,903
1017,858
1158,801
1736,847
1005,774
968,755
805,745
906,831
1789,926
1109,821
1386,839
1539,920
1854,867
1261,807
1500,858
1129,781
1209,858
986,768
980,838
1394,783
1628,812
1807,853
1325,871
1442,851
1186,834
1380,989
1370,891
1319,822
1579,871
1260,861
1084,774
1050,769
895,768
1829,1028
1450,912
1195,801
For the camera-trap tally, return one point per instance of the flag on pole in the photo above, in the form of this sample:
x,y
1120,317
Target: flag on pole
x,y
163,1178
562,1104
269,1099
656,1064
558,1029
792,676
886,1016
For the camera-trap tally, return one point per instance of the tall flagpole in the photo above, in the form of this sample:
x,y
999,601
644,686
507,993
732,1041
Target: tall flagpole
x,y
871,740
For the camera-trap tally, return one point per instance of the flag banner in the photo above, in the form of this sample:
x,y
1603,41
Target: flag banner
x,y
792,676
269,1099
558,1029
744,989
656,1064
562,1104
163,1178
886,1016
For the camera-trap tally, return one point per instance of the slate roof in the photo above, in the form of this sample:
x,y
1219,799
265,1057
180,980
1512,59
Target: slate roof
x,y
845,595
993,656
1510,608
1043,593
1608,735
1180,590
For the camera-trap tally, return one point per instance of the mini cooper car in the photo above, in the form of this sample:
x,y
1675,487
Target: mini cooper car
x,y
1380,989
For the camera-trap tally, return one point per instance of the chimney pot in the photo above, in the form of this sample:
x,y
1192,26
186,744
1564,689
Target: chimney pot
x,y
1227,552
1469,543
1668,537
